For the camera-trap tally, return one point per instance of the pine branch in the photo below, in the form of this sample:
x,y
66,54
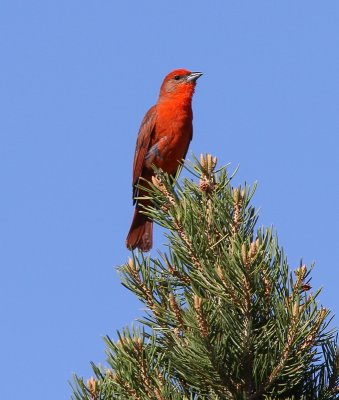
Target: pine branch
x,y
226,317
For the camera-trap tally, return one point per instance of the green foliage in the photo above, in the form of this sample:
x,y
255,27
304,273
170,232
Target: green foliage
x,y
226,317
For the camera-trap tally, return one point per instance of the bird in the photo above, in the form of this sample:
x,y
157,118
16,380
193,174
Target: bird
x,y
163,140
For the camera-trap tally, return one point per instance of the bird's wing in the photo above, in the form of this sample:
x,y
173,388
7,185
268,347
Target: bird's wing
x,y
143,143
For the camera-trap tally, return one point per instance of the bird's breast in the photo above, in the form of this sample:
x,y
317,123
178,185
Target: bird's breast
x,y
173,133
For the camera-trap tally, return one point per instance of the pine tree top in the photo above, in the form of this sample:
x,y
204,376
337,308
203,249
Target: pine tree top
x,y
226,317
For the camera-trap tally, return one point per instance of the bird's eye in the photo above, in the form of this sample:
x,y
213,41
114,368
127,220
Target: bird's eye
x,y
177,77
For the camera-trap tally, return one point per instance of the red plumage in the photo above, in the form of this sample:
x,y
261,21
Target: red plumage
x,y
163,140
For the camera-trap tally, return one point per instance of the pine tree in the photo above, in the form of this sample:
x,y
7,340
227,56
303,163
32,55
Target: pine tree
x,y
226,317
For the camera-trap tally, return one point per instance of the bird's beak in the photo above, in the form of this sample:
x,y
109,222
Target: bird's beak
x,y
193,76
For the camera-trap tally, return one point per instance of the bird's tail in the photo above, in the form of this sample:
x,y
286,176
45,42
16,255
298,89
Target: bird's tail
x,y
140,234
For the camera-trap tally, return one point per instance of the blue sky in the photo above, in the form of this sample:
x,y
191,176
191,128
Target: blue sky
x,y
76,78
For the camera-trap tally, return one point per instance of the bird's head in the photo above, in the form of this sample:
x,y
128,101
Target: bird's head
x,y
179,82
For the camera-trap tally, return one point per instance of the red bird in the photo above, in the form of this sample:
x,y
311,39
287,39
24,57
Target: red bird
x,y
163,140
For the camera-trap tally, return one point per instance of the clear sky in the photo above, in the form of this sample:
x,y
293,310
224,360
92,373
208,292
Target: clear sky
x,y
76,78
